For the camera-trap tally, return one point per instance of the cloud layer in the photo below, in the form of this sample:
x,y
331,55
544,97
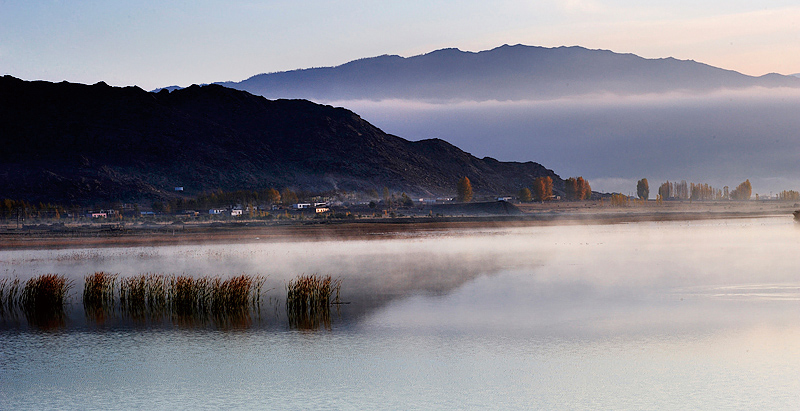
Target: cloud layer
x,y
720,138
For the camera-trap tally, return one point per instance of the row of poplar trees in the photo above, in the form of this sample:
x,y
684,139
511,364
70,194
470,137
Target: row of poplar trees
x,y
575,188
684,191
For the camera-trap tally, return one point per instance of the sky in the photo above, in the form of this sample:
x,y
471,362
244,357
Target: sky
x,y
155,44
170,42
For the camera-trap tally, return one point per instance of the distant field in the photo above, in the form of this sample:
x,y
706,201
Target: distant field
x,y
590,212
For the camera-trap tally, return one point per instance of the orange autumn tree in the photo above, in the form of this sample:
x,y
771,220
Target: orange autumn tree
x,y
577,189
464,190
542,188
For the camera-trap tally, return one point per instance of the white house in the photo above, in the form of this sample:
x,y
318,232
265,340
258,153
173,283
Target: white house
x,y
300,206
236,212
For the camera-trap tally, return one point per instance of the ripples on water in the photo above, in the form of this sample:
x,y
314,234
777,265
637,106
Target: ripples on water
x,y
632,316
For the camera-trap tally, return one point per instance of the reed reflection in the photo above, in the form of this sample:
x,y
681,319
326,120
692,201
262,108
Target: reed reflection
x,y
40,300
309,299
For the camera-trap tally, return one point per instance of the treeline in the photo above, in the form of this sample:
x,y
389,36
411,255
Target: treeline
x,y
542,190
575,188
13,209
699,192
221,199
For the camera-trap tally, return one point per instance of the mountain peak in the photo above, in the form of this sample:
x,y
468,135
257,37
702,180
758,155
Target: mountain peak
x,y
507,72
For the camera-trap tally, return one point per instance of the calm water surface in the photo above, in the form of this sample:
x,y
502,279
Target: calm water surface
x,y
679,315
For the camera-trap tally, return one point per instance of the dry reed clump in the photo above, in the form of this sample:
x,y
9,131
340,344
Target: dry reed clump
x,y
98,295
43,298
183,298
187,296
143,295
308,300
9,293
98,290
189,299
236,294
207,296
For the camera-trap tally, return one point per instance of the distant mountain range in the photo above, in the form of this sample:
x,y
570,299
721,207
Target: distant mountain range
x,y
504,73
83,144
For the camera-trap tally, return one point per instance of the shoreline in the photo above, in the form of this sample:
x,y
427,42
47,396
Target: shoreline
x,y
91,235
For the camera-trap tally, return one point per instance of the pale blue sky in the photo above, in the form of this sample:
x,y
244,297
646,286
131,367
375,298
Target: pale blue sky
x,y
159,43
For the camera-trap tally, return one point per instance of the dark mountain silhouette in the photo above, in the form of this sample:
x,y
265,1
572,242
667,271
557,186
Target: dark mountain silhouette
x,y
74,143
504,73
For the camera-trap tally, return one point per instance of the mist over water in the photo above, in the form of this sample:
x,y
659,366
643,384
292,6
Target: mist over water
x,y
490,273
719,138
701,314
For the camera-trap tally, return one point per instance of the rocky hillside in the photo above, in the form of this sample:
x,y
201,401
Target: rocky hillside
x,y
74,143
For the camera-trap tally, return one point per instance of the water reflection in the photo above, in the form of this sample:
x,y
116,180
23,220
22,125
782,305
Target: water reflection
x,y
583,277
372,273
635,316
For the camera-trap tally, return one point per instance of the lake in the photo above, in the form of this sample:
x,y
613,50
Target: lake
x,y
655,315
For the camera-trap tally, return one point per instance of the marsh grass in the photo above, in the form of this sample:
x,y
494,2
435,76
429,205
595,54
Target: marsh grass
x,y
43,298
187,300
183,299
9,293
143,296
309,299
98,295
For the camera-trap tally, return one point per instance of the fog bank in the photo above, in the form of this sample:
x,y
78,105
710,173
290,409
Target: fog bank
x,y
719,138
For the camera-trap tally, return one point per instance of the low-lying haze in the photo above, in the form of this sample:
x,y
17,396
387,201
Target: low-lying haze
x,y
719,138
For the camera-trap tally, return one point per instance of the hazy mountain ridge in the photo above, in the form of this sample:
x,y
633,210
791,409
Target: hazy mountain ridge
x,y
66,142
505,73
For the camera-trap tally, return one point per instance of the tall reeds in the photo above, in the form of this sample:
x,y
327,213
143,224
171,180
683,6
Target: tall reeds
x,y
143,295
183,299
42,300
98,295
98,290
186,299
9,292
308,301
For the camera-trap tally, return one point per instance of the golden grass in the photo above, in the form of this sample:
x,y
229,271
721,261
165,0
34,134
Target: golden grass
x,y
42,300
98,290
189,300
183,299
9,293
309,299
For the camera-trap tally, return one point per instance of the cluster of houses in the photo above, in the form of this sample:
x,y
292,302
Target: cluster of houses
x,y
237,211
102,214
313,208
318,208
